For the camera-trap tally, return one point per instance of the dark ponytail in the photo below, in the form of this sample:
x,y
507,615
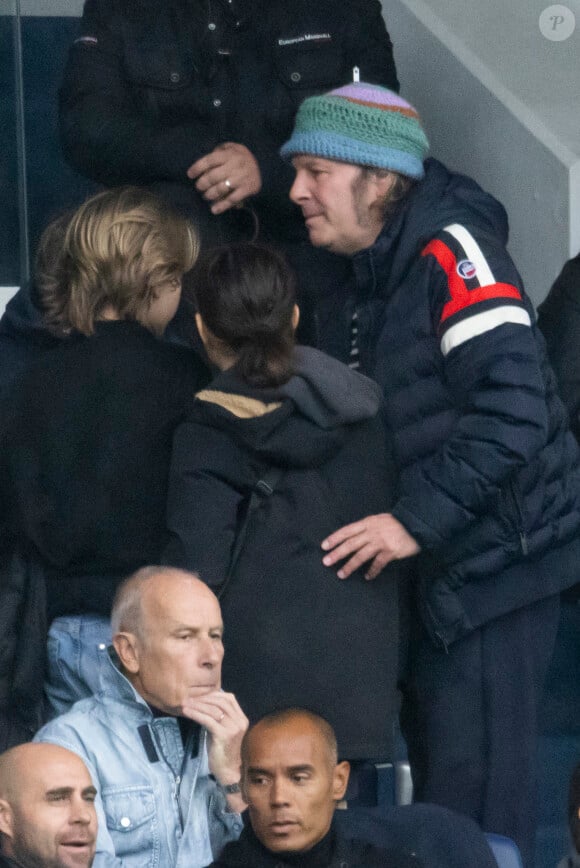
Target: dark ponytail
x,y
246,294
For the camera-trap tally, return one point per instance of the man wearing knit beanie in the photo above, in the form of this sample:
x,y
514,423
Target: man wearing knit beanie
x,y
487,513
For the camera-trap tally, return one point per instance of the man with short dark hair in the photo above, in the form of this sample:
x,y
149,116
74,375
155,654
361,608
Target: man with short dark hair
x,y
292,782
47,811
161,739
488,502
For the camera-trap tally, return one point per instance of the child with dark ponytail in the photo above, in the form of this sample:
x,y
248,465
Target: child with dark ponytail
x,y
247,313
282,447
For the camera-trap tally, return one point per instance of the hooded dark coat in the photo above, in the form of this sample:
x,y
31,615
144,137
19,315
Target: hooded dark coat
x,y
295,634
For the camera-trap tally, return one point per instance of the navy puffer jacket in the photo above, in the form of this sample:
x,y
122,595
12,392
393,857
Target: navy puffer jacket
x,y
489,471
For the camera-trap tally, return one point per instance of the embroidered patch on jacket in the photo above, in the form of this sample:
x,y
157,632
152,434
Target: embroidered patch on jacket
x,y
477,302
466,269
306,37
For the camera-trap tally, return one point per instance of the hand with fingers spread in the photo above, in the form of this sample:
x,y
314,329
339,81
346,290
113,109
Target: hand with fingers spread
x,y
379,539
226,176
226,723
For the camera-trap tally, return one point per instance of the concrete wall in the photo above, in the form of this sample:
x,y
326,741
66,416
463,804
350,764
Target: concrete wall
x,y
500,102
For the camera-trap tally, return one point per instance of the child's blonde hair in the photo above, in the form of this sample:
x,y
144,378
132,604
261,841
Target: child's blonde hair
x,y
116,250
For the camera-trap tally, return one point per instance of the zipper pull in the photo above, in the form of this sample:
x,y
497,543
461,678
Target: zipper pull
x,y
355,73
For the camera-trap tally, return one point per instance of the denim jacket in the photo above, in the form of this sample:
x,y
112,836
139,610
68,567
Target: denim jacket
x,y
157,805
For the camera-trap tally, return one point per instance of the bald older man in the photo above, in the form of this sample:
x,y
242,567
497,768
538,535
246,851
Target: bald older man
x,y
47,810
161,739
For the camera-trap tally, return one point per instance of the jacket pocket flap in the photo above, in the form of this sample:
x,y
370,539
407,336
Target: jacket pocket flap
x,y
158,66
128,808
309,65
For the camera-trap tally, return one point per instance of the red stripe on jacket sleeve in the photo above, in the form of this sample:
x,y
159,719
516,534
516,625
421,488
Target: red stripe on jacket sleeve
x,y
461,296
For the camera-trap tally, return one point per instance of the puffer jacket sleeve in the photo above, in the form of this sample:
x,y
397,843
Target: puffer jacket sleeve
x,y
104,133
203,501
492,370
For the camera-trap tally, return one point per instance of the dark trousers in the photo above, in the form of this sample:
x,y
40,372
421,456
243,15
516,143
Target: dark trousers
x,y
470,716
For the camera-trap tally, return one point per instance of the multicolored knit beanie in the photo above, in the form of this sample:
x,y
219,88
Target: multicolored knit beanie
x,y
363,124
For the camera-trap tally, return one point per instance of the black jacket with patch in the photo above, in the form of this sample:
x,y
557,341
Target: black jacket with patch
x,y
151,87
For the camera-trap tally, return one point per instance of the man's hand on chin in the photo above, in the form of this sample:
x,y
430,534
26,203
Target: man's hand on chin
x,y
226,724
